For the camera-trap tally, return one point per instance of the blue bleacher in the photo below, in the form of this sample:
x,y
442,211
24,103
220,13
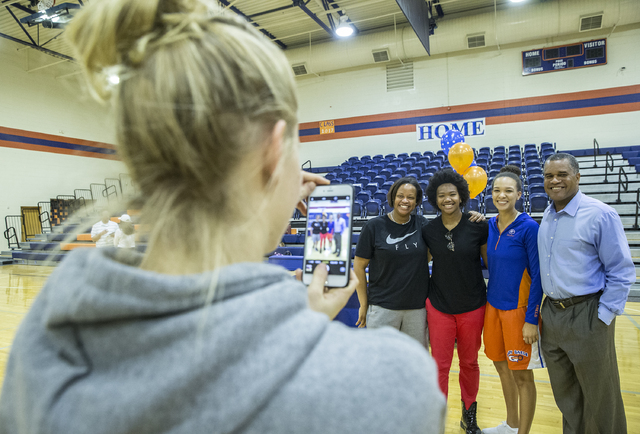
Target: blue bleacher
x,y
377,174
381,195
373,208
538,202
489,207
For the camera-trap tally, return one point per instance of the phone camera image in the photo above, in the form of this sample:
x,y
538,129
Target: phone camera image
x,y
327,239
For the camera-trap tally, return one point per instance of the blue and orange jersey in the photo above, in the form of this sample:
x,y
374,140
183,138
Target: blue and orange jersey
x,y
514,271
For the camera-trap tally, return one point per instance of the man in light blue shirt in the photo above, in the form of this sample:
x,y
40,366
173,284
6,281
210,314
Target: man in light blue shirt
x,y
586,271
339,228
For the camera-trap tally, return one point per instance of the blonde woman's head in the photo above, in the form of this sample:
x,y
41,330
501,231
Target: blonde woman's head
x,y
200,99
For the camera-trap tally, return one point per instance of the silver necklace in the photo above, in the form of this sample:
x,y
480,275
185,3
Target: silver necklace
x,y
394,220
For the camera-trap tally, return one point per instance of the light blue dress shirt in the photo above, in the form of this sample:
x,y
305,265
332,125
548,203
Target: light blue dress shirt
x,y
583,249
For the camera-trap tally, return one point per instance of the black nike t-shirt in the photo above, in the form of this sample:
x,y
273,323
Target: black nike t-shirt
x,y
457,284
398,267
316,226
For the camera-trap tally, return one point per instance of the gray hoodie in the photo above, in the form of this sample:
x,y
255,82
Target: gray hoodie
x,y
110,348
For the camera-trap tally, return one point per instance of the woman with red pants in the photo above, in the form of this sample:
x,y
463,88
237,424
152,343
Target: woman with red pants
x,y
457,292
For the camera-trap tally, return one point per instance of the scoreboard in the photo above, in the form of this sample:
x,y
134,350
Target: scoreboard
x,y
572,56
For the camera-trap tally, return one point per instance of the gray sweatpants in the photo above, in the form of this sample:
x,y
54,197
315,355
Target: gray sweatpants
x,y
412,322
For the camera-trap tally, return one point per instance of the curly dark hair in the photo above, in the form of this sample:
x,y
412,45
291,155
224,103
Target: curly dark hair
x,y
391,195
447,176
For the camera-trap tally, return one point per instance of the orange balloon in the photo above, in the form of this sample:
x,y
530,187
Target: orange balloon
x,y
477,179
460,157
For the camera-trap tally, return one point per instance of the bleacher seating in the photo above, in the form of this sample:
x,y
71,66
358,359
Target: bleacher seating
x,y
370,175
373,208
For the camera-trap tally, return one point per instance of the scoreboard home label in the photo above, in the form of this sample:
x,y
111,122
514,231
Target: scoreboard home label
x,y
572,56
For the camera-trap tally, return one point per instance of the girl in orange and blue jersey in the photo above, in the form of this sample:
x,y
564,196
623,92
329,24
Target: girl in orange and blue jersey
x,y
514,295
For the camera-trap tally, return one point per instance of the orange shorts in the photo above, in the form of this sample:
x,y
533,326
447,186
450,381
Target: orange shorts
x,y
503,339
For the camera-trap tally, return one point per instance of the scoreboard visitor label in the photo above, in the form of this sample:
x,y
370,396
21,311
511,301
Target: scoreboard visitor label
x,y
571,56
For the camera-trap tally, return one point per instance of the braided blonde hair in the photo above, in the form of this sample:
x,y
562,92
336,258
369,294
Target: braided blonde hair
x,y
197,93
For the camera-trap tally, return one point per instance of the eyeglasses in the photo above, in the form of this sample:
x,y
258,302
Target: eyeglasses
x,y
449,237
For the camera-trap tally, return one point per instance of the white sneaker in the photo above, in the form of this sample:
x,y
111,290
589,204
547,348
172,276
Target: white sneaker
x,y
503,428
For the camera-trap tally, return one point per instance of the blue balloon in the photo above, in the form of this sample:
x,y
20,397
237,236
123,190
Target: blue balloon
x,y
450,138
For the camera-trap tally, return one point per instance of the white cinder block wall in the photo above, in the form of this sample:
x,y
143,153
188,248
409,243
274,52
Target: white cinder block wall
x,y
39,102
480,76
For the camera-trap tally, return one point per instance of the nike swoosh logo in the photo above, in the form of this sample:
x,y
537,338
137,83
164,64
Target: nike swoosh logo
x,y
397,240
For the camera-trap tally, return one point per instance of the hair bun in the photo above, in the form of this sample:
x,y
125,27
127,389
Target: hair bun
x,y
511,169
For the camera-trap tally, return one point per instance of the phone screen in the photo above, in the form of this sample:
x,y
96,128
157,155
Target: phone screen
x,y
328,236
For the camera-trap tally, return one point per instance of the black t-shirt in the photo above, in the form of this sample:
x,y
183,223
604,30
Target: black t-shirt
x,y
398,267
316,226
457,285
324,227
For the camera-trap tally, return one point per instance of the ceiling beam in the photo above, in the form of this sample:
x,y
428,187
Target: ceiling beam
x,y
21,26
313,16
35,47
23,8
341,11
266,33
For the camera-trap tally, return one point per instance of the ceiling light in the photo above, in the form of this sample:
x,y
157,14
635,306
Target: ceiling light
x,y
52,17
344,29
517,1
114,79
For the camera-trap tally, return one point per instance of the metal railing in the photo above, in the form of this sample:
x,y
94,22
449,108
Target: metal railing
x,y
596,151
45,222
79,203
635,225
13,223
83,196
608,158
45,216
97,193
83,192
621,172
115,183
11,234
110,191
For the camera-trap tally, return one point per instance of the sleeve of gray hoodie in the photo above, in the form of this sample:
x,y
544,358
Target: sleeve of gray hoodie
x,y
360,381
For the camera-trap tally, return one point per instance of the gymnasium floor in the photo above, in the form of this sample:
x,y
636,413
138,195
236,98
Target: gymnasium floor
x,y
21,284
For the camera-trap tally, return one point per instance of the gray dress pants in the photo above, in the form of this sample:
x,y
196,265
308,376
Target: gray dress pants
x,y
581,359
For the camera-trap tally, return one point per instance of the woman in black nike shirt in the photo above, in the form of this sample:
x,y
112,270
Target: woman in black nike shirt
x,y
393,248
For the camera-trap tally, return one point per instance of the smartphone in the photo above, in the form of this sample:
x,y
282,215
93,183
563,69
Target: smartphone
x,y
328,233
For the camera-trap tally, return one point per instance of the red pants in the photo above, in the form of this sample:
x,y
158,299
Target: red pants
x,y
444,330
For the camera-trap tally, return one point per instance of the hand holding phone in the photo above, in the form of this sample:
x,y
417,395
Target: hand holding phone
x,y
328,302
328,234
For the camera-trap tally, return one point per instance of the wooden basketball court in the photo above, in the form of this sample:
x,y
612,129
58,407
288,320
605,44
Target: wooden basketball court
x,y
20,284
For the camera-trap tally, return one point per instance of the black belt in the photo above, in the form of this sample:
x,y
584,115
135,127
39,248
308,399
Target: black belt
x,y
567,302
